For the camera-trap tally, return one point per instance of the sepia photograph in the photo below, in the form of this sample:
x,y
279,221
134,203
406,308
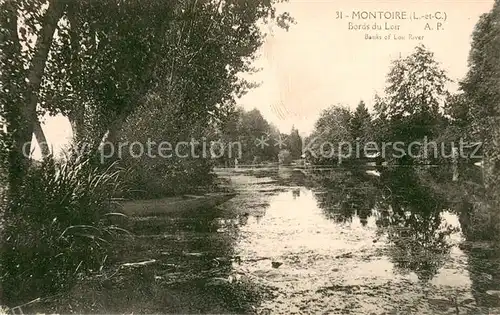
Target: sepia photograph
x,y
250,157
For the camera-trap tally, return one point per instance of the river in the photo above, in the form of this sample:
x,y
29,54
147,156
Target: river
x,y
342,243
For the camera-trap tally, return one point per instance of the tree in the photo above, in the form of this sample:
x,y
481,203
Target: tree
x,y
184,50
330,130
333,123
457,109
380,121
360,124
275,143
97,61
256,136
21,75
482,96
252,127
295,144
415,92
284,157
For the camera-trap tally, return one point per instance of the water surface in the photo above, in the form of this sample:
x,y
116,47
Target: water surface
x,y
341,243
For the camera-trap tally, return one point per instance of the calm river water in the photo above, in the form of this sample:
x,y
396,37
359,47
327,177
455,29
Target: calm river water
x,y
342,243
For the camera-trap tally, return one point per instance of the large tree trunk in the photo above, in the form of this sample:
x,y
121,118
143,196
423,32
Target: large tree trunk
x,y
35,75
23,118
41,139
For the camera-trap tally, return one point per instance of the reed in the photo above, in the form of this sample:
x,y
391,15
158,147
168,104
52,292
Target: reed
x,y
57,231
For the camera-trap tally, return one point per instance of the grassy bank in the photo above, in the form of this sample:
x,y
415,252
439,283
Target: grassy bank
x,y
57,230
60,233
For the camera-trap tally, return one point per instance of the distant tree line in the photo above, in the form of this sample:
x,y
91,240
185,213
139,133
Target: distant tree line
x,y
260,140
417,104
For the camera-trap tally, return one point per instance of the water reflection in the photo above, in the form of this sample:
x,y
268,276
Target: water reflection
x,y
419,238
484,270
480,226
408,215
415,223
333,242
345,195
349,242
418,241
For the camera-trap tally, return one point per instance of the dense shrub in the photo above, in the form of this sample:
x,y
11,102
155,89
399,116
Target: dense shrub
x,y
480,220
57,230
157,175
285,157
156,178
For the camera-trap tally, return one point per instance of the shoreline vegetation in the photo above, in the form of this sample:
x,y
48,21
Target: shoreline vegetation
x,y
57,214
118,71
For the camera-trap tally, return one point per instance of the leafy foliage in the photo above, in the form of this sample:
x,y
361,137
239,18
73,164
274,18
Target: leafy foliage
x,y
415,92
295,143
380,121
284,157
160,171
247,128
58,229
481,94
361,128
110,55
332,128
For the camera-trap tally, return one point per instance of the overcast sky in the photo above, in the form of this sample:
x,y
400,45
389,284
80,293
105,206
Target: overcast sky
x,y
320,62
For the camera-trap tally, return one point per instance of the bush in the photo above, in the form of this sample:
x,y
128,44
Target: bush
x,y
284,157
56,231
480,220
157,178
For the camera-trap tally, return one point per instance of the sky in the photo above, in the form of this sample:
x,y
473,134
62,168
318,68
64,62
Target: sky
x,y
321,62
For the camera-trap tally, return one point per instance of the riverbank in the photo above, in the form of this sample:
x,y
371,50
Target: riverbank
x,y
179,263
283,247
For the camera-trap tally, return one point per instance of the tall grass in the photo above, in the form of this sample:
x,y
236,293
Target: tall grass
x,y
57,230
